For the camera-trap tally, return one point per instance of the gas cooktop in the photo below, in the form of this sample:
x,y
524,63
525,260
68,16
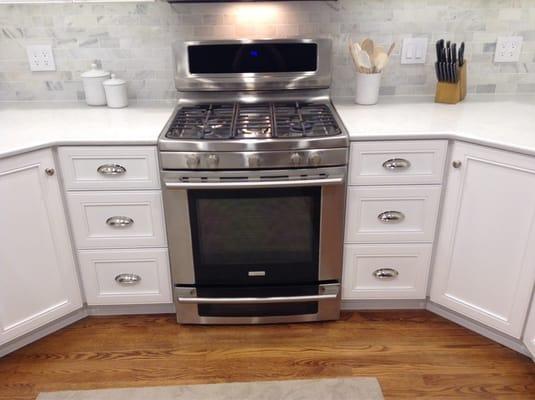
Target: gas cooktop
x,y
222,121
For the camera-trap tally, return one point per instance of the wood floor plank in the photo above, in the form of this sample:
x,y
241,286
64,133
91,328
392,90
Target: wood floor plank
x,y
414,354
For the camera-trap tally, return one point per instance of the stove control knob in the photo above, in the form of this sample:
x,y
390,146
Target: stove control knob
x,y
296,159
253,160
193,161
314,159
213,161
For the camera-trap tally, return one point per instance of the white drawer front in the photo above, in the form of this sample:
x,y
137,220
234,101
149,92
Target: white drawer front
x,y
386,271
392,214
137,276
108,168
415,162
117,219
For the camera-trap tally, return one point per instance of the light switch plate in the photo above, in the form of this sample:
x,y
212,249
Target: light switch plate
x,y
508,49
414,50
41,58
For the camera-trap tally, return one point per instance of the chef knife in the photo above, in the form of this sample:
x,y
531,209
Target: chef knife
x,y
461,55
454,62
439,45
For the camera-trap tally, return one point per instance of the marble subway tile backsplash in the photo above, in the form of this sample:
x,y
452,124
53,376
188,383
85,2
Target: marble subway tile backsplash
x,y
134,40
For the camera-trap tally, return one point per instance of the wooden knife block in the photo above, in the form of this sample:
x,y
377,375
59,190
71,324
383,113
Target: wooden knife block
x,y
452,93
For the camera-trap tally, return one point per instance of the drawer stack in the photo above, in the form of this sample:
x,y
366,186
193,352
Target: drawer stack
x,y
116,211
392,208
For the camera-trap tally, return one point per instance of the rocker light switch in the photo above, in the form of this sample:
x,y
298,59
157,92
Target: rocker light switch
x,y
414,51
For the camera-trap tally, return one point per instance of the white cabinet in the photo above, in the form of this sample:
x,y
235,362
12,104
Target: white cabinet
x,y
117,219
397,162
529,333
393,201
128,276
391,271
38,281
485,259
109,167
392,214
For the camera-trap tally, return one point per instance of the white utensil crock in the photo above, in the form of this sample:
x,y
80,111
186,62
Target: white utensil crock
x,y
92,81
116,93
368,88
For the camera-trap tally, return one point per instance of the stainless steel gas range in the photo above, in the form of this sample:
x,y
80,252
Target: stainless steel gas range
x,y
254,163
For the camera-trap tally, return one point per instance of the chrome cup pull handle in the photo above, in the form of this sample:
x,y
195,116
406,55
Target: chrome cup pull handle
x,y
389,217
111,169
128,279
385,273
395,164
119,222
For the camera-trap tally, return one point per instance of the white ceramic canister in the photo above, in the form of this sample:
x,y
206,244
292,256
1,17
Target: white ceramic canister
x,y
116,93
368,86
94,91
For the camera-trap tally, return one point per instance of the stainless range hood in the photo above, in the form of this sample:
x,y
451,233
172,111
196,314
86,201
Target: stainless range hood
x,y
232,1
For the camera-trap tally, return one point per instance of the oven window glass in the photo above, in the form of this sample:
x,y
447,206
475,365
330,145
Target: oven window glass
x,y
255,236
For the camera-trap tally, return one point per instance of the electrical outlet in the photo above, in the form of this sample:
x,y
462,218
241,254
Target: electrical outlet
x,y
414,50
41,58
508,49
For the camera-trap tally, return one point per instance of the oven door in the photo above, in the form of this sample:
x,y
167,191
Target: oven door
x,y
266,229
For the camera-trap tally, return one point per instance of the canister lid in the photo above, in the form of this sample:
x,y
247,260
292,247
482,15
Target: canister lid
x,y
114,81
95,72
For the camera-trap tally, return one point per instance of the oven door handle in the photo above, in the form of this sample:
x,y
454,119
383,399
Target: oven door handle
x,y
255,184
257,300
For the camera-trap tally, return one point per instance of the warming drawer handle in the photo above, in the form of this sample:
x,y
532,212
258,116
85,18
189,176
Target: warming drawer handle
x,y
255,300
111,169
396,164
254,184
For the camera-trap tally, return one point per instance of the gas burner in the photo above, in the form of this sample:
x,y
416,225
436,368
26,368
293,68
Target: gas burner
x,y
301,127
253,121
254,132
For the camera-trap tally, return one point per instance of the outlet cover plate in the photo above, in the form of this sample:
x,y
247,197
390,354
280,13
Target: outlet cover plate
x,y
41,58
508,49
414,50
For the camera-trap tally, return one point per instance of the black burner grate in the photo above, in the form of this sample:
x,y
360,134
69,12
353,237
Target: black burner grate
x,y
253,121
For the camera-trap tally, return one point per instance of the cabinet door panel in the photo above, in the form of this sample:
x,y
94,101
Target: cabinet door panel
x,y
385,271
529,333
485,264
415,206
38,282
422,162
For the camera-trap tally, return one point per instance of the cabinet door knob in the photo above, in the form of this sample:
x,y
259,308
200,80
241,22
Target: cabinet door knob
x,y
111,169
50,171
391,217
457,164
385,273
119,222
396,164
127,279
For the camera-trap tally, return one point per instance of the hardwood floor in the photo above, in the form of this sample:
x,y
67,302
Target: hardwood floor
x,y
414,354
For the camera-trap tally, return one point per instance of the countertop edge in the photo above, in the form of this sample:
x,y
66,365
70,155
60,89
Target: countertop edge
x,y
352,138
442,136
65,142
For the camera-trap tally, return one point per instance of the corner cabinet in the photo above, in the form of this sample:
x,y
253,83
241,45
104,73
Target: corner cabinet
x,y
529,333
38,281
485,257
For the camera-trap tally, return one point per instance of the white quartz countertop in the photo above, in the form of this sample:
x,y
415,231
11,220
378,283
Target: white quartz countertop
x,y
503,123
498,122
26,126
